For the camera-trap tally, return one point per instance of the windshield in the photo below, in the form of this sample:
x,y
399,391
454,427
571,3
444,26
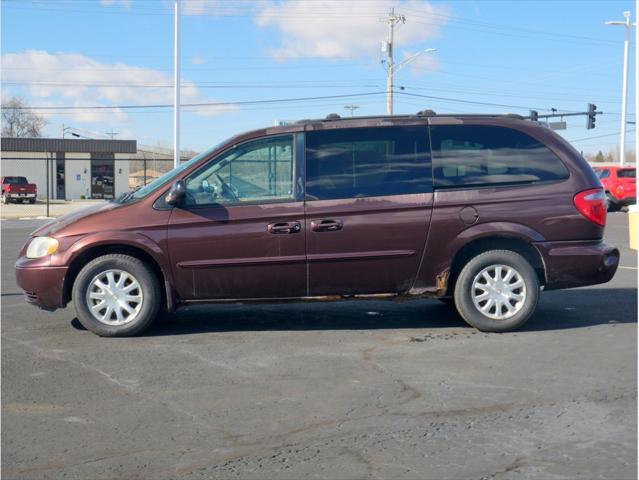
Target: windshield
x,y
168,176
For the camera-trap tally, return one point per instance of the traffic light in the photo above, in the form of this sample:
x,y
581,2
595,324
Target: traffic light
x,y
592,114
534,115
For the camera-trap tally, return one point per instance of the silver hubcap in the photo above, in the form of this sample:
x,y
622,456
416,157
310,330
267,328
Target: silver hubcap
x,y
499,292
114,297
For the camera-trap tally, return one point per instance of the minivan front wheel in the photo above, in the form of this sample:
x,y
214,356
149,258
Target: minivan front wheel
x,y
497,291
116,295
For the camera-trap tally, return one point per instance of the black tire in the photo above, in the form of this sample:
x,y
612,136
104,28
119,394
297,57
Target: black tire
x,y
464,291
32,201
612,205
151,294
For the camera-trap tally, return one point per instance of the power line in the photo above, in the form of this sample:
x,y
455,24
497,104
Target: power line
x,y
185,84
458,100
200,104
599,136
236,9
517,28
562,96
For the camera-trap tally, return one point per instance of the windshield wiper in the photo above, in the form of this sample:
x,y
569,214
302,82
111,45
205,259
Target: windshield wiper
x,y
127,195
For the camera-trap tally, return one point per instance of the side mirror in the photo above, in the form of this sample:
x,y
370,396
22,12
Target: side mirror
x,y
177,193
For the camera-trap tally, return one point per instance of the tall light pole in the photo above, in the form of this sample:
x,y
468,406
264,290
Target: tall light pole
x,y
396,67
624,86
176,86
387,47
391,66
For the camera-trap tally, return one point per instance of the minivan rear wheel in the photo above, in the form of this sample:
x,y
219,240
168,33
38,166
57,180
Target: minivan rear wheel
x,y
497,291
116,296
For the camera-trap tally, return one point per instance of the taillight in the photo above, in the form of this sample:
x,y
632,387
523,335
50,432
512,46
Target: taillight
x,y
592,204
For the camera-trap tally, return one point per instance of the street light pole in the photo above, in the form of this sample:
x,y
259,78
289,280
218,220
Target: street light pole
x,y
176,86
390,65
624,85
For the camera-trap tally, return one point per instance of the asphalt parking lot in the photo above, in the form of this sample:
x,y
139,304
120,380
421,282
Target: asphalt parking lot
x,y
361,389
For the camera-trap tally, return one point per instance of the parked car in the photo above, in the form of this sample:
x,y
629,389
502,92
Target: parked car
x,y
18,189
482,211
620,184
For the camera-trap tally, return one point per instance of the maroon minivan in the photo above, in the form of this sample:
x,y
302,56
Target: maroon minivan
x,y
480,211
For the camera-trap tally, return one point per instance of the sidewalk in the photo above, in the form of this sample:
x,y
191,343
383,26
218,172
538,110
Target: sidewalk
x,y
57,208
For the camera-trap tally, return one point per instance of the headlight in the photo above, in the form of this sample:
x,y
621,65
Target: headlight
x,y
42,246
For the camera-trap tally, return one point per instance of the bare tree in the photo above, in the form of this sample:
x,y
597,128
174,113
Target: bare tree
x,y
17,121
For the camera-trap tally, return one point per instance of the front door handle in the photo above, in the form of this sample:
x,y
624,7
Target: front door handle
x,y
326,225
285,227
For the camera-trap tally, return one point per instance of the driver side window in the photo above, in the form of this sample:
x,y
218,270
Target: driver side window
x,y
257,171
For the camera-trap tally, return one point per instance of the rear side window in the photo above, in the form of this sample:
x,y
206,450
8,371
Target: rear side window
x,y
476,155
367,162
603,173
627,173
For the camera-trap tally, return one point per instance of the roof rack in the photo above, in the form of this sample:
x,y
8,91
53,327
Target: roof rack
x,y
331,117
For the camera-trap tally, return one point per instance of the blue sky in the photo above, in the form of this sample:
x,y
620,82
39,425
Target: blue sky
x,y
516,55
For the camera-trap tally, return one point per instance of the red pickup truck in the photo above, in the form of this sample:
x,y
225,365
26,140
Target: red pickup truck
x,y
18,189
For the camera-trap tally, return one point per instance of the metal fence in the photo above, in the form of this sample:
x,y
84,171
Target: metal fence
x,y
67,184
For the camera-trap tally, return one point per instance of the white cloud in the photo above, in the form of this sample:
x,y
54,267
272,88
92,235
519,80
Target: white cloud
x,y
198,60
78,80
338,28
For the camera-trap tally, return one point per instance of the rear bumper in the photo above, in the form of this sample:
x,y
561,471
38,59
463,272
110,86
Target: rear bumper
x,y
623,201
21,195
626,201
577,264
42,286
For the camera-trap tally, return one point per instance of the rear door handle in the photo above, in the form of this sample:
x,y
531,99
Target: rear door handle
x,y
285,227
326,225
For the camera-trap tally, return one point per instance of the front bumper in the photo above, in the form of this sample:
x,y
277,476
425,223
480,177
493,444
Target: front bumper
x,y
43,286
577,264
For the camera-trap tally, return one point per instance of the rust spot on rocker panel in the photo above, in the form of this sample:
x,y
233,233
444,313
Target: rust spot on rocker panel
x,y
442,282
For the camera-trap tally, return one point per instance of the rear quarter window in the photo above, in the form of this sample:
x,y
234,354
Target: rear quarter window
x,y
627,173
477,155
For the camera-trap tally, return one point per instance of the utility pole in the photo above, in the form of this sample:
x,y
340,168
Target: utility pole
x,y
112,134
176,86
391,20
624,85
352,108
